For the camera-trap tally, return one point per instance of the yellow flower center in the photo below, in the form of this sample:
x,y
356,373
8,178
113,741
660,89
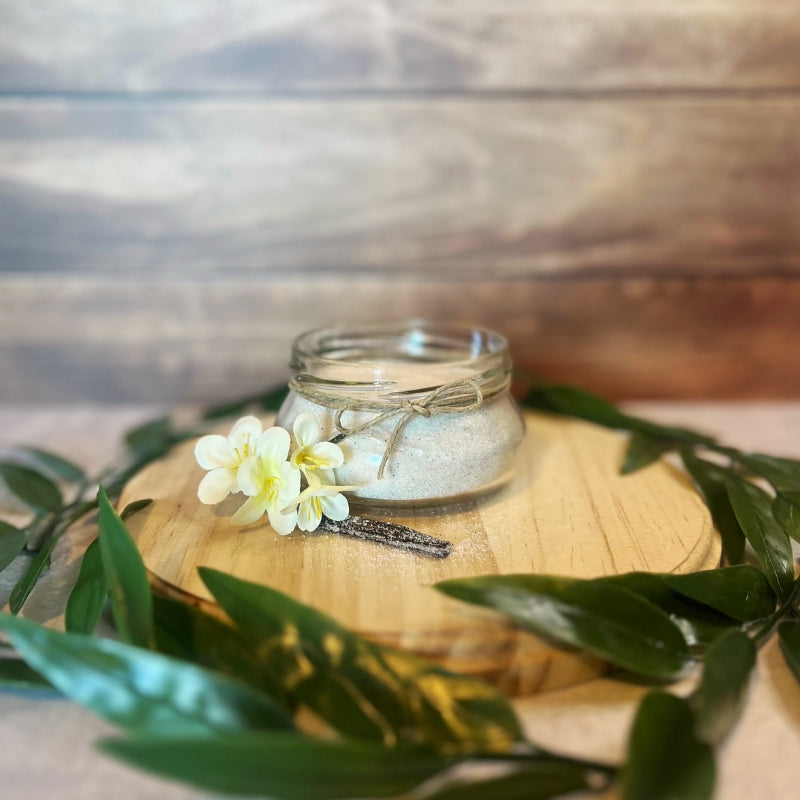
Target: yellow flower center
x,y
306,458
271,487
245,451
316,504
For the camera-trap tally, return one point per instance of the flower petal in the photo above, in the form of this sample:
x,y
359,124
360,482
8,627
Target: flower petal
x,y
324,477
289,484
252,510
249,476
273,445
306,429
282,523
214,451
336,508
244,434
216,485
327,454
246,426
310,514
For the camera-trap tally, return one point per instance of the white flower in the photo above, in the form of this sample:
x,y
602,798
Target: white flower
x,y
254,461
273,485
313,455
322,497
223,456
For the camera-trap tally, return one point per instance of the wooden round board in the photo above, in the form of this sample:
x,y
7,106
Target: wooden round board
x,y
567,512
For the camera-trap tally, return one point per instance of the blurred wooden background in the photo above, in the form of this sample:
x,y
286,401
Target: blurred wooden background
x,y
186,185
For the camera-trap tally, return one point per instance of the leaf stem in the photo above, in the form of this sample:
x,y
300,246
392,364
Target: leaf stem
x,y
789,606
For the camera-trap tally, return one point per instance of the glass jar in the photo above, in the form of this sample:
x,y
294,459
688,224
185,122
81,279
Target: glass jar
x,y
422,411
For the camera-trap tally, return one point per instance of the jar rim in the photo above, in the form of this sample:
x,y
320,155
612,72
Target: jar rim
x,y
374,353
490,343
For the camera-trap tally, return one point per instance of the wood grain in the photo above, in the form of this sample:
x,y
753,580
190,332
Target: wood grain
x,y
78,339
194,185
456,186
567,512
335,45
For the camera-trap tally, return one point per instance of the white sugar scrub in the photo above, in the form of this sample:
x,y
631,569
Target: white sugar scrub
x,y
421,411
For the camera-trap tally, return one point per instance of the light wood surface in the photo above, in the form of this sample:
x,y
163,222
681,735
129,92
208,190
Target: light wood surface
x,y
336,45
459,186
153,251
183,340
219,177
566,512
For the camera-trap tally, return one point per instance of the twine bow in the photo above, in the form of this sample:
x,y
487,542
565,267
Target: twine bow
x,y
454,397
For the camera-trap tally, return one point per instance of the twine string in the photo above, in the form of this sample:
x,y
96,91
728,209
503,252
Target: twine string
x,y
458,396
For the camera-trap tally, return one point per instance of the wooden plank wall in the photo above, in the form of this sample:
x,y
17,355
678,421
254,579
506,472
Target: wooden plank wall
x,y
185,186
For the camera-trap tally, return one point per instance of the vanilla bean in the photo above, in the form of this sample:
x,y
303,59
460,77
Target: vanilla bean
x,y
376,530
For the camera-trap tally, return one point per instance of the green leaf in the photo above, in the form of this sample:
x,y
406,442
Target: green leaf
x,y
25,584
782,473
742,591
710,480
719,699
574,402
360,688
56,465
281,765
33,488
12,540
753,508
537,779
41,562
786,510
595,615
88,596
151,435
38,530
698,623
143,692
271,400
666,761
642,451
789,635
147,443
16,674
129,590
186,632
132,508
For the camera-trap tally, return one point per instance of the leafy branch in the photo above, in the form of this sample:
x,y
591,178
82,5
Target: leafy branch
x,y
399,719
40,480
257,687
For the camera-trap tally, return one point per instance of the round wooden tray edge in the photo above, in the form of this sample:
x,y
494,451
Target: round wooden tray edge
x,y
516,665
515,660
